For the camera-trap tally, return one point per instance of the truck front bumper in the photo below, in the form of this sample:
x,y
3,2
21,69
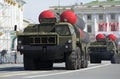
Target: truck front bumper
x,y
102,55
45,52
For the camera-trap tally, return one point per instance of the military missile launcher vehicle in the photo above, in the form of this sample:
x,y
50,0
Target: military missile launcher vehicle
x,y
53,42
104,48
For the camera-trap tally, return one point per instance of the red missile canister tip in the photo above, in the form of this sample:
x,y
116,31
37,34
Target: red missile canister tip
x,y
68,16
112,37
46,14
100,36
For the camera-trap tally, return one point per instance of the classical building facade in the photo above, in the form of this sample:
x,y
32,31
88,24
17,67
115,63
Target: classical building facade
x,y
11,14
99,16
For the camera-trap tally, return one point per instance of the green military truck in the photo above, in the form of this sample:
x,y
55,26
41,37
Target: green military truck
x,y
104,49
52,42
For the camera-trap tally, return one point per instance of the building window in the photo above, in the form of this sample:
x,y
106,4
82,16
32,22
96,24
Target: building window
x,y
89,17
113,16
114,26
102,27
89,28
100,16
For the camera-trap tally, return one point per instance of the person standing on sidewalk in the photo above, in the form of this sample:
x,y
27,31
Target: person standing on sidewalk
x,y
3,56
14,52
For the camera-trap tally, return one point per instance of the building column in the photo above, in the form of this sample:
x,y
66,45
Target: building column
x,y
118,19
85,19
107,22
95,24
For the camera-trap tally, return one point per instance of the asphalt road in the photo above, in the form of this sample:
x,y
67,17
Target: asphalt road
x,y
94,71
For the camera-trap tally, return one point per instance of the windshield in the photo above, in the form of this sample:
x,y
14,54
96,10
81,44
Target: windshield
x,y
62,30
40,28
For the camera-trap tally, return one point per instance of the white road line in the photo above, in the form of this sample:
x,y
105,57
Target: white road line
x,y
21,73
60,73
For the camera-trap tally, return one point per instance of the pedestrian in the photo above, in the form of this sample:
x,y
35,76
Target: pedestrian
x,y
3,57
15,56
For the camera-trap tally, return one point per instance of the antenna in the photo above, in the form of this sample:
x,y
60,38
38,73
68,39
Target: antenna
x,y
59,6
15,28
58,10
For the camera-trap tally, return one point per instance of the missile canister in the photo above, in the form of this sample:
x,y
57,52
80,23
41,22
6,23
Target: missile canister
x,y
100,36
46,14
111,37
69,16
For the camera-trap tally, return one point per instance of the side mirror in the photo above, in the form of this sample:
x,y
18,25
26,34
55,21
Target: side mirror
x,y
15,28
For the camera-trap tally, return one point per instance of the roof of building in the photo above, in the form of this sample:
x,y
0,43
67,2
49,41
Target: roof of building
x,y
107,2
60,6
93,3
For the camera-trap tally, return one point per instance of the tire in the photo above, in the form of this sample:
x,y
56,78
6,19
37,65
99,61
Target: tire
x,y
79,58
84,63
116,59
73,60
113,60
86,60
28,62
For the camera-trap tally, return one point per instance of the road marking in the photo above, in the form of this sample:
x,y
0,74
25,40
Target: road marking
x,y
21,73
60,73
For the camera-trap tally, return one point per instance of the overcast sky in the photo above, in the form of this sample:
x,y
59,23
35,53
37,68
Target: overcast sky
x,y
33,8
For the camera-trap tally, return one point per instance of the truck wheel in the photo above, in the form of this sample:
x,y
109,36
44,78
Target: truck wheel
x,y
116,59
72,60
84,63
113,60
28,63
79,58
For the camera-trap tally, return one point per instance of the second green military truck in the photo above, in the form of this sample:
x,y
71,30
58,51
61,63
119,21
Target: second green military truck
x,y
53,42
104,48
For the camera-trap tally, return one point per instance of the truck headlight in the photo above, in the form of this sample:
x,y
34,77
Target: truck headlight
x,y
19,42
19,47
22,47
69,41
66,46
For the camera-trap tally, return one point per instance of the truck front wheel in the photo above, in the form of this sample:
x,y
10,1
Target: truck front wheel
x,y
116,59
28,62
73,61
